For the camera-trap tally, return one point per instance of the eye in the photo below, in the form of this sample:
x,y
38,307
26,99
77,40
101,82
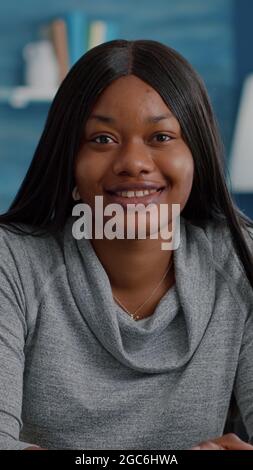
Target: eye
x,y
98,137
163,135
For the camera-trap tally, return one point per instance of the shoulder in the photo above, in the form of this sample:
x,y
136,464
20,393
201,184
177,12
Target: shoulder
x,y
14,238
222,252
27,253
221,241
214,234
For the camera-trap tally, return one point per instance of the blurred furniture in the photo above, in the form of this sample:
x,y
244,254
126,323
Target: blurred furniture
x,y
242,151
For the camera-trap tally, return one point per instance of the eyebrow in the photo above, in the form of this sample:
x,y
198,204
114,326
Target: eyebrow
x,y
149,119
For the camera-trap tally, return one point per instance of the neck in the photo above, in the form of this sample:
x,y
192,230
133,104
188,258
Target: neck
x,y
132,265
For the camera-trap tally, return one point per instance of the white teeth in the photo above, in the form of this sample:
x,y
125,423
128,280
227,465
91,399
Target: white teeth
x,y
136,193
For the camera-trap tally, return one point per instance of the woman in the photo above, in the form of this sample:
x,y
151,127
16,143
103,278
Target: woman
x,y
115,343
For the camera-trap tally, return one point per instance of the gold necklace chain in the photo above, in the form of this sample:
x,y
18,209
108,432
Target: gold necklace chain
x,y
132,315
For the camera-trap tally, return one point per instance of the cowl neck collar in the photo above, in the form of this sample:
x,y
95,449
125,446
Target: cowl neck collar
x,y
167,339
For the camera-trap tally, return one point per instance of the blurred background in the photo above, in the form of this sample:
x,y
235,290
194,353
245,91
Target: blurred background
x,y
39,41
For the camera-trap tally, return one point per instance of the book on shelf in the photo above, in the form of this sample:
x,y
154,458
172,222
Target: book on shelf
x,y
73,34
60,43
77,34
101,31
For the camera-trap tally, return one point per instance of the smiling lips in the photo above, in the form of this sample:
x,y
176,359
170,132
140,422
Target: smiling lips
x,y
136,193
134,197
130,192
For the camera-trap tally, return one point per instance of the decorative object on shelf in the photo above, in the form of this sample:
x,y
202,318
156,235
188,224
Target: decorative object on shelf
x,y
62,41
242,146
41,67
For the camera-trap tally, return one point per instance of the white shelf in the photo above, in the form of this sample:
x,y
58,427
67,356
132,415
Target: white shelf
x,y
21,96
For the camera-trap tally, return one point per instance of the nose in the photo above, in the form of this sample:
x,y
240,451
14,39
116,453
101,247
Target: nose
x,y
133,159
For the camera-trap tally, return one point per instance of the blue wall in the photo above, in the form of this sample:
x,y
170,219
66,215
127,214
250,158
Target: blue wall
x,y
243,20
203,31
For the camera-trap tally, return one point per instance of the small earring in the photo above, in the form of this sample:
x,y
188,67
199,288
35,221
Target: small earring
x,y
75,194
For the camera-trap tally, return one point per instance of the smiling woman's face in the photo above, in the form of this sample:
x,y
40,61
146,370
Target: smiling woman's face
x,y
127,145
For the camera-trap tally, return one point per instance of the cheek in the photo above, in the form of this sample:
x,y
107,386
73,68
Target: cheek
x,y
186,171
87,171
180,171
180,168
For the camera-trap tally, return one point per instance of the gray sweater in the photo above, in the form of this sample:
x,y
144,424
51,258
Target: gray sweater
x,y
77,372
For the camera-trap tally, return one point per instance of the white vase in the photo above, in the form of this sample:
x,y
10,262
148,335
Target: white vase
x,y
41,67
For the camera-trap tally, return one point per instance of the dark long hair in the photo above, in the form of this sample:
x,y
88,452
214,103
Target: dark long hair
x,y
44,199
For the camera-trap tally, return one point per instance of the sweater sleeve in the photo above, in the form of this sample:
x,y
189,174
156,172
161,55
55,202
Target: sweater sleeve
x,y
12,340
243,387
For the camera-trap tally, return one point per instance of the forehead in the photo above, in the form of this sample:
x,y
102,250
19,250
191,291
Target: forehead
x,y
127,95
127,88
